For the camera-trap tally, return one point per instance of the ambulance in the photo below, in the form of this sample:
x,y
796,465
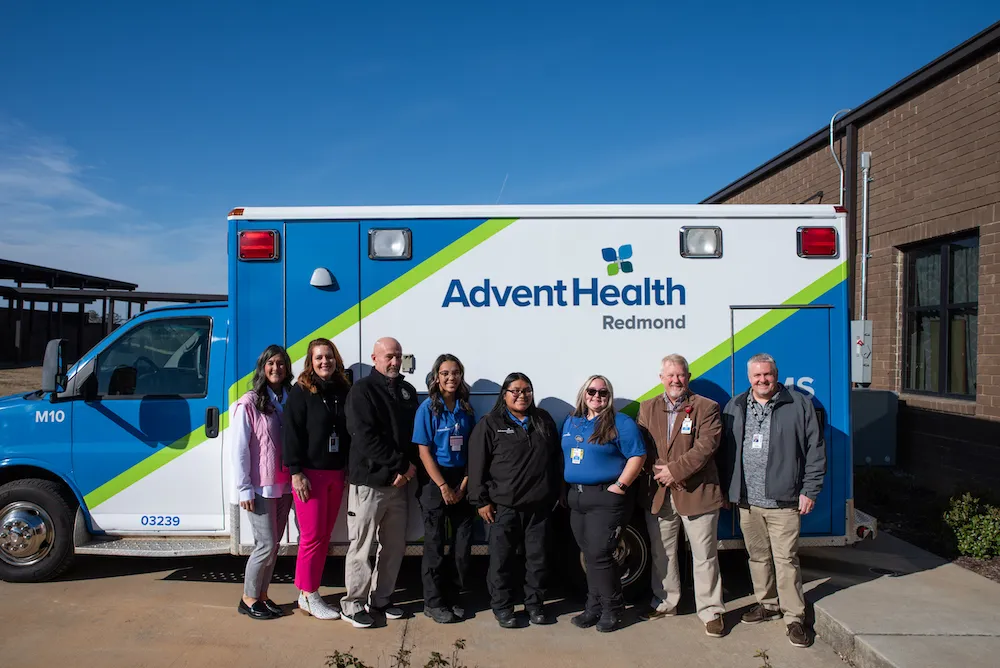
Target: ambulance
x,y
125,452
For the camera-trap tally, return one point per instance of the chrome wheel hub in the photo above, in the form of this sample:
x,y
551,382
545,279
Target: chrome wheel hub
x,y
26,534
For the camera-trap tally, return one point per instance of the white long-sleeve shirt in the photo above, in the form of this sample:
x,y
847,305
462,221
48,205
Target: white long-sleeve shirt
x,y
243,431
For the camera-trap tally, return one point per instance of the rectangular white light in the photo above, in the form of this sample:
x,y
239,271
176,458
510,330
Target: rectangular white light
x,y
701,242
389,244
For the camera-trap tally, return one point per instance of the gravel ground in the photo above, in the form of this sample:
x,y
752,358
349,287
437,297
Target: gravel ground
x,y
13,381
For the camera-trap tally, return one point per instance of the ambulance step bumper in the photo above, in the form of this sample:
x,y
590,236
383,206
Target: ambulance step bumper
x,y
156,547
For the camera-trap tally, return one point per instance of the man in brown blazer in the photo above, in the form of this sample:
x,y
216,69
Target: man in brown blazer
x,y
682,488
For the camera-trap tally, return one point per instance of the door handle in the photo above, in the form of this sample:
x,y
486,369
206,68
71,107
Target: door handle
x,y
212,422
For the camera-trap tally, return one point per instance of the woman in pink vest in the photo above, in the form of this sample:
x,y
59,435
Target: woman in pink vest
x,y
315,451
264,485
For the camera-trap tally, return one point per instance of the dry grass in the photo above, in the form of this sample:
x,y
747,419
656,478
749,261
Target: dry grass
x,y
13,381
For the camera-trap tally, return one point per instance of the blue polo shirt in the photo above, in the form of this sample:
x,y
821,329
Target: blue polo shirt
x,y
586,463
436,432
524,423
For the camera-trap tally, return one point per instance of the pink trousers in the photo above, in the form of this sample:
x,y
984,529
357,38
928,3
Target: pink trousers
x,y
316,518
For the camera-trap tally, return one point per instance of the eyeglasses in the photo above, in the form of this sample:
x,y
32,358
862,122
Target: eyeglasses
x,y
518,393
602,393
450,374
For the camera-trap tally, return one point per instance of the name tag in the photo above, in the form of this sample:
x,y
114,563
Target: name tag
x,y
456,443
758,442
334,443
576,455
686,425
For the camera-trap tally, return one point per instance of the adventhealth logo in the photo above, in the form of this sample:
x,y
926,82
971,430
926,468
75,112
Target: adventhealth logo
x,y
572,291
618,261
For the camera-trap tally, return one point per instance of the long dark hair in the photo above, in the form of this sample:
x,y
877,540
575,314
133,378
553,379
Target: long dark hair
x,y
434,386
262,402
308,378
606,431
533,413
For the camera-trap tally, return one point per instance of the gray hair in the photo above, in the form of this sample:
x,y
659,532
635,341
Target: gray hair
x,y
762,358
679,360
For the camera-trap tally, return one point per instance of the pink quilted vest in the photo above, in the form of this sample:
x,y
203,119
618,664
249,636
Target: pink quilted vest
x,y
265,445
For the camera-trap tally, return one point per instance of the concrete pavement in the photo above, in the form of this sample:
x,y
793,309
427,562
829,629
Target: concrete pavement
x,y
924,612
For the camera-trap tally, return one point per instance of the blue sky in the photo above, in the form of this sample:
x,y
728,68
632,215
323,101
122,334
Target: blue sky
x,y
129,129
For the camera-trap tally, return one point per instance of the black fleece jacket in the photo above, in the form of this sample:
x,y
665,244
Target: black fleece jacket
x,y
308,424
509,466
380,418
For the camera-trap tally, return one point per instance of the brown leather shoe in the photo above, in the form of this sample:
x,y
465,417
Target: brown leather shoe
x,y
653,613
797,635
758,613
715,628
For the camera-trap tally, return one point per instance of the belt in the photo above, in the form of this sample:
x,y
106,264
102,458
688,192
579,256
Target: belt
x,y
602,485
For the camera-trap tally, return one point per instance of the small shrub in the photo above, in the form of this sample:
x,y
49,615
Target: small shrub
x,y
976,526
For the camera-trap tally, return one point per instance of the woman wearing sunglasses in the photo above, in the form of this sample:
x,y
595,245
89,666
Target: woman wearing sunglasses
x,y
603,454
515,474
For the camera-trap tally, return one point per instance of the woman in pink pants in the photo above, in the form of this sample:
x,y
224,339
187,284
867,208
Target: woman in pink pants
x,y
315,451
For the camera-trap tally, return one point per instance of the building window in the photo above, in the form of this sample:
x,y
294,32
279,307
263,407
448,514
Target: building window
x,y
942,305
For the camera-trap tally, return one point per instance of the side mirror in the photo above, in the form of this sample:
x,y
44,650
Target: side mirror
x,y
53,368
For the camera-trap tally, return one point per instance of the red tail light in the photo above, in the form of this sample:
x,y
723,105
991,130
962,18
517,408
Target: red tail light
x,y
258,245
817,241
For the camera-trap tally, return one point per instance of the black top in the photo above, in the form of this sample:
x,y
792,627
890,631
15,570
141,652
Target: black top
x,y
513,467
310,419
380,418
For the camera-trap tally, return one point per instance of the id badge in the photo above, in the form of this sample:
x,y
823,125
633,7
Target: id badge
x,y
334,443
758,442
686,425
576,455
456,443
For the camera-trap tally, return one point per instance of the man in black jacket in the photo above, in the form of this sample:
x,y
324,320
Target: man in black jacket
x,y
380,412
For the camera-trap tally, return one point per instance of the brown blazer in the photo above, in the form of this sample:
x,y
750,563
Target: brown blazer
x,y
689,457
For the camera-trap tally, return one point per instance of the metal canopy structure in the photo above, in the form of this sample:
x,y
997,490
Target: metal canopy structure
x,y
24,331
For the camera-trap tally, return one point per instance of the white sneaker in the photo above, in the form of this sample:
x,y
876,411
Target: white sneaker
x,y
313,604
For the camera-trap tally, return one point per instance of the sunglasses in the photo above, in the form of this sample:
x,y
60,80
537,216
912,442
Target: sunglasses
x,y
603,393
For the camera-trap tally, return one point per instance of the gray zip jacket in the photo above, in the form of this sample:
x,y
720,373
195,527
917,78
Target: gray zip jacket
x,y
796,461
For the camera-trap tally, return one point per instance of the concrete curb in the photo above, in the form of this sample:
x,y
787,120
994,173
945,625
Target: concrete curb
x,y
845,642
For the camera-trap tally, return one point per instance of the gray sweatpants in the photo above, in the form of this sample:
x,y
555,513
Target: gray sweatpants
x,y
374,514
267,521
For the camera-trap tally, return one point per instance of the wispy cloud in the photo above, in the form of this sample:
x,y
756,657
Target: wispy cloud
x,y
52,215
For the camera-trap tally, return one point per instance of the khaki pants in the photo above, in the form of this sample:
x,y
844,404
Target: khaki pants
x,y
374,515
702,531
772,539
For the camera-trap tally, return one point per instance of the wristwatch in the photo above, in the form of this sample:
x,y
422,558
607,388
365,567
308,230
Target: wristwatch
x,y
622,486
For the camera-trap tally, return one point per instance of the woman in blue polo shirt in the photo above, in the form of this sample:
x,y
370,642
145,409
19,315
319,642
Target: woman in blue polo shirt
x,y
603,454
441,430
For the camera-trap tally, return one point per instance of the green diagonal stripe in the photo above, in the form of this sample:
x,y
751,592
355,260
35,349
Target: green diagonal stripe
x,y
329,330
754,330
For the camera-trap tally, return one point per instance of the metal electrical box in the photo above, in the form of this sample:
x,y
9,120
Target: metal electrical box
x,y
861,351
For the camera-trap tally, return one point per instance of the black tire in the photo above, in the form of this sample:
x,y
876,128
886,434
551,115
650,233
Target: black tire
x,y
51,553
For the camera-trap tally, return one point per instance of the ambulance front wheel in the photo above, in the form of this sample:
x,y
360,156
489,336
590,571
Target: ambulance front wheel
x,y
36,531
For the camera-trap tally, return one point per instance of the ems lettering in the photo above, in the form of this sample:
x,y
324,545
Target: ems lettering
x,y
804,383
50,416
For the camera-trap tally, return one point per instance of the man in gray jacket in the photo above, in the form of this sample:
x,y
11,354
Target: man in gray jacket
x,y
775,460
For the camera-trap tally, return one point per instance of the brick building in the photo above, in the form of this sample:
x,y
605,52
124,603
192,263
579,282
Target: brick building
x,y
934,247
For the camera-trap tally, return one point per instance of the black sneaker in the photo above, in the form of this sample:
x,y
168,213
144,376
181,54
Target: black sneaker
x,y
389,612
585,619
359,620
609,623
440,615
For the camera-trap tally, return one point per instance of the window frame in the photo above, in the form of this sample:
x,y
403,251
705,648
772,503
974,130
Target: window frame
x,y
150,323
944,310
